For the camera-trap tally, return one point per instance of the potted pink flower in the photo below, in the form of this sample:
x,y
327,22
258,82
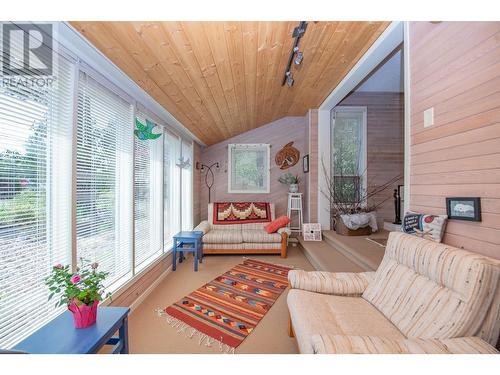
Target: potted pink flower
x,y
81,291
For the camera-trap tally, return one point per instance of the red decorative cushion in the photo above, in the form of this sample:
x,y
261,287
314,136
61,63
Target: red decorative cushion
x,y
274,225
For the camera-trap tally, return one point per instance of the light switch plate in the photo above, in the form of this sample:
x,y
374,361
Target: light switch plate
x,y
429,117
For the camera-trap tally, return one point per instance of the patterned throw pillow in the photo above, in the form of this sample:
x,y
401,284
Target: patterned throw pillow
x,y
430,227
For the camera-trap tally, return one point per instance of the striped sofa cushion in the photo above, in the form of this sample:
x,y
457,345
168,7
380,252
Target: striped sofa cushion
x,y
431,290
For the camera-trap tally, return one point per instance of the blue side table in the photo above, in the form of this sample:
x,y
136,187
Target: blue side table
x,y
190,242
59,336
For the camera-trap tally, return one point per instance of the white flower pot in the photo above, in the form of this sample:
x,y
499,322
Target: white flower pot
x,y
293,188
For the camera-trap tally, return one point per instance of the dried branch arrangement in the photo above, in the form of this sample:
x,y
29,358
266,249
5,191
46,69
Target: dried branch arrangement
x,y
347,195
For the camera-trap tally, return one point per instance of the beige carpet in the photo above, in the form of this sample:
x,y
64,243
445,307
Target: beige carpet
x,y
149,333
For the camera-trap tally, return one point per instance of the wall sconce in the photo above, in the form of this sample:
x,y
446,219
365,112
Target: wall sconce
x,y
209,176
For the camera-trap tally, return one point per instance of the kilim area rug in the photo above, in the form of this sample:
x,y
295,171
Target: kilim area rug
x,y
227,309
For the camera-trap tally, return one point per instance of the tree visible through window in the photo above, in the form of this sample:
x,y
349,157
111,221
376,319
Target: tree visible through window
x,y
248,168
348,153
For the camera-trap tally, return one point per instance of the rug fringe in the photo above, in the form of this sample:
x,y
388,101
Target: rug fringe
x,y
191,332
275,264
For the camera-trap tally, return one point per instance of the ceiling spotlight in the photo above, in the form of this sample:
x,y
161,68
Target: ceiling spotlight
x,y
298,58
289,79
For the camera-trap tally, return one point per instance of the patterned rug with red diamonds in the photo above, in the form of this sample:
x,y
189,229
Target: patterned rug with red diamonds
x,y
227,309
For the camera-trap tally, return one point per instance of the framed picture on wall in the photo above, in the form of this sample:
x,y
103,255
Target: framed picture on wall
x,y
305,164
464,208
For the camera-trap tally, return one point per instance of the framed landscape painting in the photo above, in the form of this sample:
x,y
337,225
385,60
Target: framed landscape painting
x,y
464,208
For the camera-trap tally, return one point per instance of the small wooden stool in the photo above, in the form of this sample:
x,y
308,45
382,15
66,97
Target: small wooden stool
x,y
187,241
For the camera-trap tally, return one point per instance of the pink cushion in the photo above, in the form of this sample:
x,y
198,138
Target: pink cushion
x,y
274,225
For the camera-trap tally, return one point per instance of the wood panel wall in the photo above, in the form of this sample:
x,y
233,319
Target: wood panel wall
x,y
197,149
385,143
455,68
278,134
312,178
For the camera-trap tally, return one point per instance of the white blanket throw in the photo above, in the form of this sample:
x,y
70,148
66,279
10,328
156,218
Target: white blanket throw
x,y
361,220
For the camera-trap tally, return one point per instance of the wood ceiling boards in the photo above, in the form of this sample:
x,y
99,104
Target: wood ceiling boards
x,y
220,79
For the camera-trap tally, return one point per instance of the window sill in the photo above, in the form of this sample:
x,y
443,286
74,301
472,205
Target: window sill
x,y
120,288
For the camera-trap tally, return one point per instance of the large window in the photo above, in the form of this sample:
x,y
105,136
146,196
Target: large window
x,y
348,158
249,168
75,182
148,213
187,185
103,178
35,197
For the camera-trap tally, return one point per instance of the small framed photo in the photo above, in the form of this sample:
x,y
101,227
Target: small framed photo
x,y
311,231
464,208
305,164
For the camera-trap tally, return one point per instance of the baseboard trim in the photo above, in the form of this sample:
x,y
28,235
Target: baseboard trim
x,y
137,302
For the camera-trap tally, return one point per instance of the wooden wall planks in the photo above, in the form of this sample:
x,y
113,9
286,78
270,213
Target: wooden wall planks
x,y
278,134
385,143
221,79
455,68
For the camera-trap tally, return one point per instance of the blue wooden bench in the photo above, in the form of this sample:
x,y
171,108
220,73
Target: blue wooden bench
x,y
59,336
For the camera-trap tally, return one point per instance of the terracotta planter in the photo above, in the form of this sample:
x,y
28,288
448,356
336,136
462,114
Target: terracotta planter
x,y
83,315
342,229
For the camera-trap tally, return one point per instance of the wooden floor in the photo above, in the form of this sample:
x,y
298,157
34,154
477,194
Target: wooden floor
x,y
337,253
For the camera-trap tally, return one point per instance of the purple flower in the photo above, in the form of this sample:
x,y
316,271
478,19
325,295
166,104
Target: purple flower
x,y
94,265
59,266
75,279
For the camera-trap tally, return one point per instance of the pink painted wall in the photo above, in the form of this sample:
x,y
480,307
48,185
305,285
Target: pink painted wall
x,y
278,134
455,68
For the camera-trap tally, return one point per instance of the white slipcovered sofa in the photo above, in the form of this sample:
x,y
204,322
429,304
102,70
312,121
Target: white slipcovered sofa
x,y
425,297
242,238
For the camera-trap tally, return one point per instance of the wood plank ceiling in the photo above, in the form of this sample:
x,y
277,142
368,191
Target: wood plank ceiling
x,y
220,79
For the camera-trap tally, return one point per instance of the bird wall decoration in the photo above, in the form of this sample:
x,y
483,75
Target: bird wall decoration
x,y
145,132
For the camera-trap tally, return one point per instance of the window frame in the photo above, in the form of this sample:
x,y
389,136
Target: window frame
x,y
267,168
362,174
122,284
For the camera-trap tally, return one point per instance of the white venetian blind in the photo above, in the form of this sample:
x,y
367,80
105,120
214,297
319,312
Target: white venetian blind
x,y
35,194
104,178
148,187
187,186
171,187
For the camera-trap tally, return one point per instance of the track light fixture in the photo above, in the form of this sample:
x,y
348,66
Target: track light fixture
x,y
298,58
295,55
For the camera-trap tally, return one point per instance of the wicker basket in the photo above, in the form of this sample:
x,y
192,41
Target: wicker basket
x,y
342,229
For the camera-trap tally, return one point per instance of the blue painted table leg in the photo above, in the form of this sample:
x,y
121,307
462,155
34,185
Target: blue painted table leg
x,y
195,253
200,250
174,255
123,334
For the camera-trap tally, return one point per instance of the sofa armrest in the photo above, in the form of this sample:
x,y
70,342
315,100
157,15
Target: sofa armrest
x,y
338,283
204,226
285,230
341,344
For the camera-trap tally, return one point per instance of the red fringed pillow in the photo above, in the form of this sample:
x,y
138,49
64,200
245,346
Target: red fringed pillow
x,y
274,225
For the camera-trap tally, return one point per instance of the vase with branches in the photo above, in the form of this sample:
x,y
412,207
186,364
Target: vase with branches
x,y
352,193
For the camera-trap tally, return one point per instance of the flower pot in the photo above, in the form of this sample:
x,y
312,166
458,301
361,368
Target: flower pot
x,y
83,315
293,188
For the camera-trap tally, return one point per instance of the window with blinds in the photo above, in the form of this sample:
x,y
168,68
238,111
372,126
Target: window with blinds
x,y
104,155
148,175
35,195
187,186
171,187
